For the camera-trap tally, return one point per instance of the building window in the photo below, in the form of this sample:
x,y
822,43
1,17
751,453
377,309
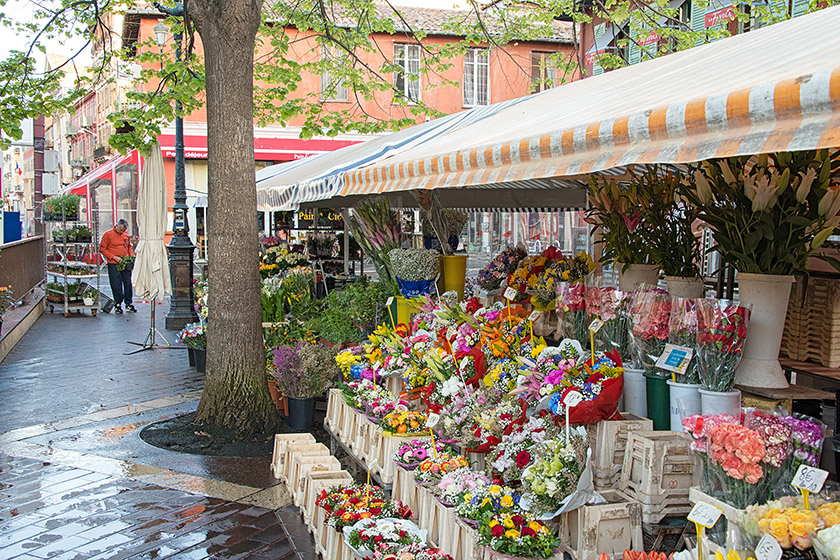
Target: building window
x,y
476,77
407,81
543,71
332,87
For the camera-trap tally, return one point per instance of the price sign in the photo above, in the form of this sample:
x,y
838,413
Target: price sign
x,y
432,420
510,293
464,363
572,399
390,301
534,315
705,514
376,366
675,358
809,478
596,325
373,465
768,549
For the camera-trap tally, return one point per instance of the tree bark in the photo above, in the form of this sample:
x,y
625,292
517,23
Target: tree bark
x,y
236,392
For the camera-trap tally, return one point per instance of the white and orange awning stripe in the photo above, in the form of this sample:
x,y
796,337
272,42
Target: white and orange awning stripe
x,y
774,89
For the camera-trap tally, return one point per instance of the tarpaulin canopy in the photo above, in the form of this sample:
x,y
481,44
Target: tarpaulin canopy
x,y
773,89
151,271
288,185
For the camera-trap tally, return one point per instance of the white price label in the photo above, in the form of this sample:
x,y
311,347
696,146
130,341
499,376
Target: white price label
x,y
809,478
705,514
510,293
390,301
572,399
768,548
675,358
373,465
376,366
534,315
596,325
432,420
464,363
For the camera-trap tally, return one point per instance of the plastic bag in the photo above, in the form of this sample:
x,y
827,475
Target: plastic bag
x,y
651,316
721,333
683,327
571,310
615,313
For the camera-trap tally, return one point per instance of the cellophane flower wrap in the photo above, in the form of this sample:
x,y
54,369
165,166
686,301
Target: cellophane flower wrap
x,y
516,450
454,485
369,534
735,462
721,334
592,295
778,448
827,543
555,472
491,276
651,328
615,310
413,452
807,436
518,534
526,275
571,311
413,551
485,501
683,332
433,469
345,505
600,384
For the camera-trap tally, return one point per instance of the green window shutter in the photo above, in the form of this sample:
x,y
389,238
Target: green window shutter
x,y
597,69
800,7
698,20
634,51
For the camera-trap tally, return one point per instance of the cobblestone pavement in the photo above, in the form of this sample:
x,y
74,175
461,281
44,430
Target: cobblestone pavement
x,y
76,482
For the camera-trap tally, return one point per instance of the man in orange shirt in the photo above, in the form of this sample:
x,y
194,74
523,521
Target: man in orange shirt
x,y
115,246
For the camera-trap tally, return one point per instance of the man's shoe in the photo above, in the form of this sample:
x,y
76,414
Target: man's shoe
x,y
131,308
117,309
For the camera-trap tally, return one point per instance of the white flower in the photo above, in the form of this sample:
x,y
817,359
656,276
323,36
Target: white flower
x,y
830,204
704,190
805,183
451,386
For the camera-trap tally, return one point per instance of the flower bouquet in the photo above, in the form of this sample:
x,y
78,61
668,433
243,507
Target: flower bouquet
x,y
413,551
807,436
792,527
615,313
571,309
555,473
404,423
432,470
454,485
683,327
375,225
383,406
491,276
735,455
350,363
600,385
778,447
305,370
515,452
391,534
526,275
721,333
193,336
415,270
518,535
346,505
415,451
651,317
543,279
488,500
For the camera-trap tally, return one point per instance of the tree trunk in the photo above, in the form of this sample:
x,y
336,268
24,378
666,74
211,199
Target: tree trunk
x,y
236,393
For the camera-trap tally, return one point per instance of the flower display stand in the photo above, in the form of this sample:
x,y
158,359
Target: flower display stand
x,y
299,449
333,418
394,385
383,448
608,440
362,440
336,548
430,516
302,467
281,442
405,489
612,527
658,471
315,482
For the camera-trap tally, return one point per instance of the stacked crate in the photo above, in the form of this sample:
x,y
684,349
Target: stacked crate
x,y
611,528
608,440
812,326
658,472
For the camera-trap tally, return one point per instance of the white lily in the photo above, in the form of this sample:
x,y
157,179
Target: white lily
x,y
728,176
804,188
761,191
704,190
830,204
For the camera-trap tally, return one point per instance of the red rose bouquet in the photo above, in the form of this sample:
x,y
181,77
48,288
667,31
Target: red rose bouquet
x,y
721,333
651,317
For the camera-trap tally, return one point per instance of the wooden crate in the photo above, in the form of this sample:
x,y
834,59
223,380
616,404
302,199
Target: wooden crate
x,y
315,482
609,528
303,466
812,325
300,449
405,489
281,442
608,440
335,401
658,466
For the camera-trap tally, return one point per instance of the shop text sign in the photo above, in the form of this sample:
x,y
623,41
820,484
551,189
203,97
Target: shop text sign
x,y
722,15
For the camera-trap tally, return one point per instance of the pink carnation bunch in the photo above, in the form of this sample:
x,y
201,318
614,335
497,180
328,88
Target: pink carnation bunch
x,y
697,427
738,450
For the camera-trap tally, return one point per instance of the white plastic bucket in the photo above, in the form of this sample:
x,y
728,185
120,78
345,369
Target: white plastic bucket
x,y
685,401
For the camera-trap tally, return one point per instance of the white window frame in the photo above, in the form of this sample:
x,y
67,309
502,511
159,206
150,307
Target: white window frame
x,y
332,88
476,64
407,57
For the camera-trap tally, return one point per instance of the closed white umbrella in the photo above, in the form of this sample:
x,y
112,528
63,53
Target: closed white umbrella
x,y
150,276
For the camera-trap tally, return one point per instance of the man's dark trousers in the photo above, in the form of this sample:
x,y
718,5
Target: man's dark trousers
x,y
120,284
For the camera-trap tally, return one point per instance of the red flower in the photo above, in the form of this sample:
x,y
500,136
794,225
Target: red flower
x,y
375,511
377,538
473,305
402,533
497,530
518,520
528,532
522,459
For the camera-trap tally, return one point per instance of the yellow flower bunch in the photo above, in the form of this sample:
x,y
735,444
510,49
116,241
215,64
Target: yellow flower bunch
x,y
830,514
791,527
346,359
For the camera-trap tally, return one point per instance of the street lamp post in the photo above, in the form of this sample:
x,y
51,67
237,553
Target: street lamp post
x,y
181,248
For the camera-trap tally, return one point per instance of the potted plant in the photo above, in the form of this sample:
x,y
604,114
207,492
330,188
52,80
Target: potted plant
x,y
82,234
768,214
61,207
304,371
617,224
415,270
669,230
90,296
321,245
6,301
194,337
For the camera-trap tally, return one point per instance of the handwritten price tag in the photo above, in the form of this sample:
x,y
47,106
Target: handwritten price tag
x,y
464,363
376,366
534,315
572,399
809,478
768,549
675,358
510,293
390,301
596,325
432,420
705,514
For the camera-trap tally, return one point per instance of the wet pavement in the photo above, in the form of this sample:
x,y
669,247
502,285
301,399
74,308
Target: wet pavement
x,y
77,482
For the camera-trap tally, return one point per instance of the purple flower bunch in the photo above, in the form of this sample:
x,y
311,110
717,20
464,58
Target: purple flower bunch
x,y
807,435
776,434
382,406
491,276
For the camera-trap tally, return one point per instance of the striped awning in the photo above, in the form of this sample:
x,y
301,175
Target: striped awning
x,y
288,185
774,89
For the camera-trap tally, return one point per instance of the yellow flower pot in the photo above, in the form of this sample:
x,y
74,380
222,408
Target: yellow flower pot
x,y
454,273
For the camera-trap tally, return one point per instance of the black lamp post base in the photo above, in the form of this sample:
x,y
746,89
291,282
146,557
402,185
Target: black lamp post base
x,y
181,310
